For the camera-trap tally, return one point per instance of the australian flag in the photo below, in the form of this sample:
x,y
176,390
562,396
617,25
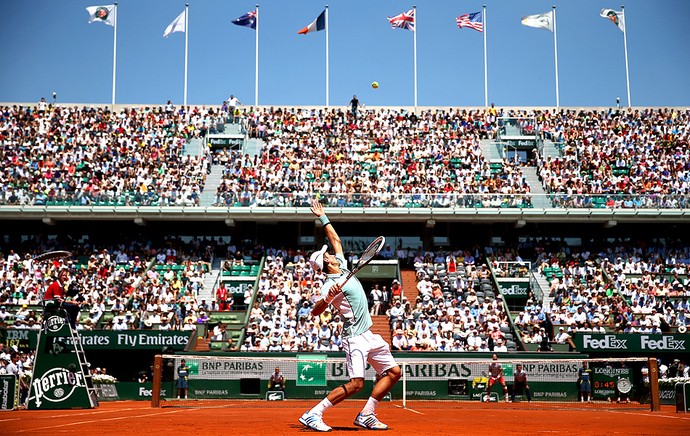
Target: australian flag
x,y
247,20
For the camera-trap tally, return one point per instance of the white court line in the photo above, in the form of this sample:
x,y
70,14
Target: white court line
x,y
685,418
9,419
409,410
98,420
93,412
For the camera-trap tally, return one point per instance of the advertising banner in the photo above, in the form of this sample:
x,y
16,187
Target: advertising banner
x,y
106,339
9,392
631,343
514,288
58,378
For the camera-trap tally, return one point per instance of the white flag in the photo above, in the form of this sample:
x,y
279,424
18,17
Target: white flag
x,y
618,18
105,14
176,26
540,21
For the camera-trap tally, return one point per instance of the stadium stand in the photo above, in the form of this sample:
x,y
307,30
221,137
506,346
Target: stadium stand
x,y
391,158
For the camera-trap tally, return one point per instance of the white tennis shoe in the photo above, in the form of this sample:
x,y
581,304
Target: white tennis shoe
x,y
370,422
314,422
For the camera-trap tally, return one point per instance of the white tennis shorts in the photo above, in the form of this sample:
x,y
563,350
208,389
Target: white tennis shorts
x,y
364,348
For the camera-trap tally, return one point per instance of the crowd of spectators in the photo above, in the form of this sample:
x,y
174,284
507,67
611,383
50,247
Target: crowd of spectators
x,y
397,158
126,285
92,156
280,319
388,158
454,309
640,153
14,361
617,286
401,159
622,287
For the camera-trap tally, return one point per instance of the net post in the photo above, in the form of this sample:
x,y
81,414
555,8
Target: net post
x,y
404,385
157,378
655,402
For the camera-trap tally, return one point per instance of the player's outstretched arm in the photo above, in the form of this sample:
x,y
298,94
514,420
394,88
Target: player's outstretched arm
x,y
322,303
331,235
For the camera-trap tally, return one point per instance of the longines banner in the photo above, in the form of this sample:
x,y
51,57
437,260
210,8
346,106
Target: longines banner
x,y
107,339
631,343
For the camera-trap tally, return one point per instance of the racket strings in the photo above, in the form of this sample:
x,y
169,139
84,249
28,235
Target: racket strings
x,y
372,250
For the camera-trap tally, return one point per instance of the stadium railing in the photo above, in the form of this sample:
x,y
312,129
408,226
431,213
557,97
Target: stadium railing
x,y
609,201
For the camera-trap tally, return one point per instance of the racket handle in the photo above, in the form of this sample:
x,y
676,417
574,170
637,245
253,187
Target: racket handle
x,y
349,276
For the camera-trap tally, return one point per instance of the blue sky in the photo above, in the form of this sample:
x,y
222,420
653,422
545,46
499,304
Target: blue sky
x,y
47,46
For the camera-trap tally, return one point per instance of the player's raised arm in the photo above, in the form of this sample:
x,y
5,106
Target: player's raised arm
x,y
331,235
323,303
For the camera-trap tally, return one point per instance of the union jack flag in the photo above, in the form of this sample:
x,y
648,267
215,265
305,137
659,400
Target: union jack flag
x,y
472,20
403,21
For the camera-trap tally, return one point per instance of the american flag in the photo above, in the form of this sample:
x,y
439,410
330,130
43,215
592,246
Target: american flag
x,y
403,21
473,21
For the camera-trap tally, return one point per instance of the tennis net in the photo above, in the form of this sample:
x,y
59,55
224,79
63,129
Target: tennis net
x,y
212,379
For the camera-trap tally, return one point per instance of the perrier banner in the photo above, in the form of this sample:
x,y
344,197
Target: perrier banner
x,y
58,380
310,370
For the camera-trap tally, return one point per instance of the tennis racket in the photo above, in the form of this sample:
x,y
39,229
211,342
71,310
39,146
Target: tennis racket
x,y
624,386
372,250
485,374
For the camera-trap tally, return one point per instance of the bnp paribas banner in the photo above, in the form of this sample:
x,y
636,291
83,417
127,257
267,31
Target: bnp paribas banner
x,y
312,376
631,343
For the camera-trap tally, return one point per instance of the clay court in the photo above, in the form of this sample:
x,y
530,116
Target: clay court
x,y
280,418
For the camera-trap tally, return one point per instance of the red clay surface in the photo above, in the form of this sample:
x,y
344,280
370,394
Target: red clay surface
x,y
280,418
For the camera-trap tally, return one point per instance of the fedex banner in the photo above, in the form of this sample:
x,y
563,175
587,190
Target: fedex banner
x,y
631,343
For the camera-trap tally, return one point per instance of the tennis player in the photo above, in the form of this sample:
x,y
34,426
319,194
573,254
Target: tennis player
x,y
496,375
359,343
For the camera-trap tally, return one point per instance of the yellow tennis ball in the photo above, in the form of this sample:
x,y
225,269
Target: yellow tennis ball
x,y
374,85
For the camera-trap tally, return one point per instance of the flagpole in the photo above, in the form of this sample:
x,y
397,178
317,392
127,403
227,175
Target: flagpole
x,y
186,48
114,54
625,44
256,61
486,80
415,57
555,53
327,29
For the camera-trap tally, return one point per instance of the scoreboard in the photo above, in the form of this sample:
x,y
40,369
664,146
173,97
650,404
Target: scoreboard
x,y
605,381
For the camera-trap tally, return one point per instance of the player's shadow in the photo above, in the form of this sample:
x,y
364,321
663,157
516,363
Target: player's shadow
x,y
308,430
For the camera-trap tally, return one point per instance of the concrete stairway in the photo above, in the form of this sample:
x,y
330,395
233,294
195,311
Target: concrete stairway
x,y
492,152
381,327
212,182
408,280
550,149
544,285
232,128
253,146
539,198
207,292
194,147
202,344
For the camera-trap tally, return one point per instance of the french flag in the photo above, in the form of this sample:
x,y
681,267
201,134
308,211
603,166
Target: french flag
x,y
316,25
